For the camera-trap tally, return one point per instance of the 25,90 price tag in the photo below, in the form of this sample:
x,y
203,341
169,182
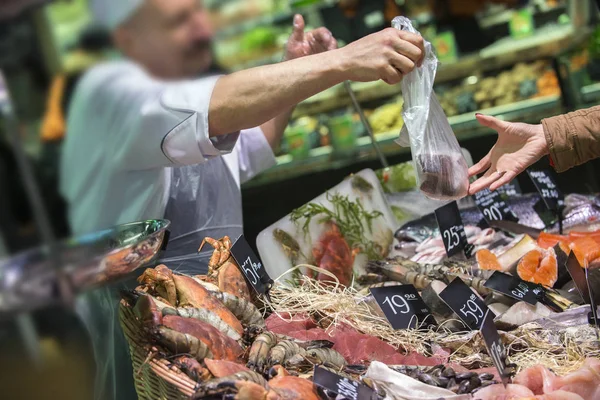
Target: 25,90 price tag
x,y
403,306
251,266
452,229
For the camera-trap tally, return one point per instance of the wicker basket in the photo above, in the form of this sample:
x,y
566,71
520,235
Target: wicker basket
x,y
155,378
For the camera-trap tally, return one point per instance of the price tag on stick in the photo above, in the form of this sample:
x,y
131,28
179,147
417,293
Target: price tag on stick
x,y
581,278
494,346
467,305
545,183
578,276
493,207
514,287
403,306
348,389
452,228
250,265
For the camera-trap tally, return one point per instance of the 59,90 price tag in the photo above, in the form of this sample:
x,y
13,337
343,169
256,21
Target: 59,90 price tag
x,y
475,314
403,306
466,304
344,387
251,266
451,228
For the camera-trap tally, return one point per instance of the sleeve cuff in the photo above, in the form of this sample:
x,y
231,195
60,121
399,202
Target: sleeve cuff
x,y
559,137
191,142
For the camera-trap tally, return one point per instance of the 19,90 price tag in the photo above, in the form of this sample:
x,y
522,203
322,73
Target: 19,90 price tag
x,y
451,228
251,266
403,306
466,304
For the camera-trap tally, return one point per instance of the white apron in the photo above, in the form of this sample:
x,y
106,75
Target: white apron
x,y
204,200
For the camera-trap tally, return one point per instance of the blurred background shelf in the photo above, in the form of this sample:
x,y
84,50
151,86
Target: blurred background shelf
x,y
465,127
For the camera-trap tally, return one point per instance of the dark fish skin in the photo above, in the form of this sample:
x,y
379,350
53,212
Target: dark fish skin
x,y
581,213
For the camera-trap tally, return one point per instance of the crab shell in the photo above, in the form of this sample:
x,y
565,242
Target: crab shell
x,y
221,346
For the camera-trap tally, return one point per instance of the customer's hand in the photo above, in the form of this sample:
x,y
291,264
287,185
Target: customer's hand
x,y
301,44
387,55
518,146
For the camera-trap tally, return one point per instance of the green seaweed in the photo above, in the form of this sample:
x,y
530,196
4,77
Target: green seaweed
x,y
348,216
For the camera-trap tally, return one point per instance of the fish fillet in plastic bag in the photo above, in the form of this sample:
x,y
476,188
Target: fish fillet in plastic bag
x,y
442,171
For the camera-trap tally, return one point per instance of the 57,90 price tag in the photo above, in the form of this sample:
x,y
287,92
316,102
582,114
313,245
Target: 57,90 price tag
x,y
403,306
251,266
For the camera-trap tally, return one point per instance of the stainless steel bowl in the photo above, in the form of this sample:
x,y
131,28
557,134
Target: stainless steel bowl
x,y
33,279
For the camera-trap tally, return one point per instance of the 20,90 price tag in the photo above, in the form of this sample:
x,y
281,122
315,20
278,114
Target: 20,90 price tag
x,y
493,207
545,183
403,306
451,228
250,265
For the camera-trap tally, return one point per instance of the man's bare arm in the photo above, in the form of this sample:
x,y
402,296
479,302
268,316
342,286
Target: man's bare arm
x,y
252,97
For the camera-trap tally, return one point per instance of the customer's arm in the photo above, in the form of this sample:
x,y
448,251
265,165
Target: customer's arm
x,y
570,140
573,138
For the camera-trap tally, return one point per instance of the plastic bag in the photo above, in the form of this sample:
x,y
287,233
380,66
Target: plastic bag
x,y
442,171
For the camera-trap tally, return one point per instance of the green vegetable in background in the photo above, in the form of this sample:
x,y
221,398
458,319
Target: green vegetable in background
x,y
399,178
348,216
258,39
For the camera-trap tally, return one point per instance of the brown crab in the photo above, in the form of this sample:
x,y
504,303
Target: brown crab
x,y
160,280
223,270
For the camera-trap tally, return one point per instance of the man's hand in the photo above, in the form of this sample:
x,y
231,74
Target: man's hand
x,y
518,146
301,44
387,55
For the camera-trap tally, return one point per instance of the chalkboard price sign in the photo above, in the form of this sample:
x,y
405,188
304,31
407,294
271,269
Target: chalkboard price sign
x,y
452,228
250,265
402,305
545,183
493,207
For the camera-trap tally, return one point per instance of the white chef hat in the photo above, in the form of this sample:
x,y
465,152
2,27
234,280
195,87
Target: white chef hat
x,y
112,13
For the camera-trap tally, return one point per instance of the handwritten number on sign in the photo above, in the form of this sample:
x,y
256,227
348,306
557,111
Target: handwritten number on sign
x,y
250,271
492,214
452,237
398,304
471,308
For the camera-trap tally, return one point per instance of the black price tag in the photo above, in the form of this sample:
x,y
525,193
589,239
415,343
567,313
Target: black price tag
x,y
452,228
510,189
545,183
493,207
251,266
466,304
403,306
494,345
578,276
514,287
348,389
